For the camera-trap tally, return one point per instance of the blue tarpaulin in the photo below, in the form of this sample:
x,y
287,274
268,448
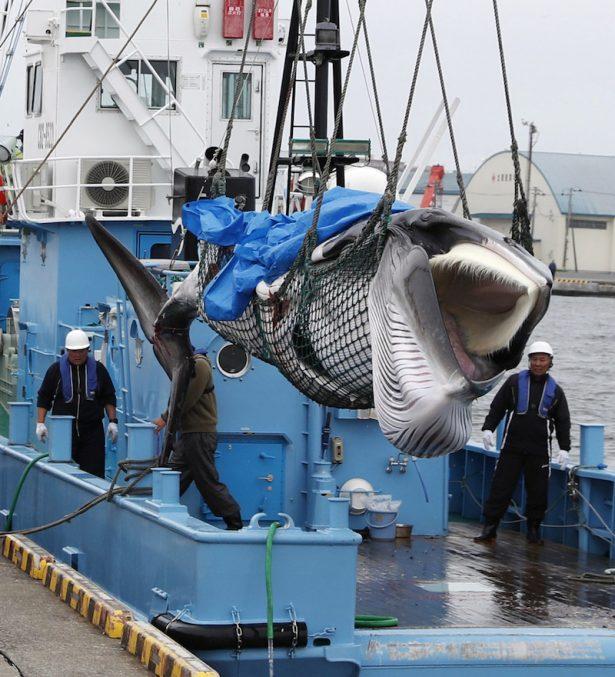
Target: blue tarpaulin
x,y
265,245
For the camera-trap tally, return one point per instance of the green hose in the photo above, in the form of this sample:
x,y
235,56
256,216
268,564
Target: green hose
x,y
375,622
270,535
8,525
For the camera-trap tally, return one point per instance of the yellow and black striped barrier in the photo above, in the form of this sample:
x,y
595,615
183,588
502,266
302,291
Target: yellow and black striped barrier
x,y
91,601
159,653
26,555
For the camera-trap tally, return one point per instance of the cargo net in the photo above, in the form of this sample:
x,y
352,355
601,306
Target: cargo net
x,y
315,328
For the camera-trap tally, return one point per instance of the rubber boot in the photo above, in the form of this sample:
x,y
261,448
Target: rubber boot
x,y
233,522
488,534
533,532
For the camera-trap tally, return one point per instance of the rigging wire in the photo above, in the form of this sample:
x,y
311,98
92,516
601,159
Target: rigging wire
x,y
310,239
271,178
218,184
449,122
15,24
520,229
65,131
377,118
170,86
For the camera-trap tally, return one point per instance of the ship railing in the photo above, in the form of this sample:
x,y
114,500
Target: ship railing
x,y
44,199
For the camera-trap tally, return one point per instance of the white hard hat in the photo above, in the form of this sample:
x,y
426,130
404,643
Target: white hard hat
x,y
77,340
540,347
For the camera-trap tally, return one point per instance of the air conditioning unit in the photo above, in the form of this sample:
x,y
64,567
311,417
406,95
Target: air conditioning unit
x,y
106,182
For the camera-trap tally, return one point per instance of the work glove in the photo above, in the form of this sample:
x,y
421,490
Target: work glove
x,y
563,458
488,439
112,432
41,432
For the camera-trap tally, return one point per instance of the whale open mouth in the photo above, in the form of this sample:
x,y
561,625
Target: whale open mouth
x,y
485,301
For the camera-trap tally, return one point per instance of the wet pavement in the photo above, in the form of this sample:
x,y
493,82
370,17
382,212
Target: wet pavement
x,y
454,582
40,636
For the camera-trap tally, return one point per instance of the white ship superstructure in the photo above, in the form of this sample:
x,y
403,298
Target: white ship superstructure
x,y
165,98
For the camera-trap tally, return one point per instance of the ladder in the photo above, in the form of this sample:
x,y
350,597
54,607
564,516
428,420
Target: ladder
x,y
129,103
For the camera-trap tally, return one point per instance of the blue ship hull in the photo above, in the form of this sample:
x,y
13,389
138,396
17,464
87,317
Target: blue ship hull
x,y
160,554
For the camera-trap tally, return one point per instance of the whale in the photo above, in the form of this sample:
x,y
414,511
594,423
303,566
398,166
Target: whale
x,y
433,323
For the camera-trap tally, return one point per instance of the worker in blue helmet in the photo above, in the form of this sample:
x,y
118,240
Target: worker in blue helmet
x,y
535,406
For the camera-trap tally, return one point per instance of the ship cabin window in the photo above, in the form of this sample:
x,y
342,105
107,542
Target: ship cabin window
x,y
243,109
106,26
149,89
34,89
79,15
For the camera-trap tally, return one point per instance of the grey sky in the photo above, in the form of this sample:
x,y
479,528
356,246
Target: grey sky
x,y
560,62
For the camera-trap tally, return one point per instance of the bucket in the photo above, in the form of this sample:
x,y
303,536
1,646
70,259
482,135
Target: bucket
x,y
381,525
403,531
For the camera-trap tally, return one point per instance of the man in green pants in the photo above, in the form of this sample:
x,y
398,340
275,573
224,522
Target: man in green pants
x,y
194,449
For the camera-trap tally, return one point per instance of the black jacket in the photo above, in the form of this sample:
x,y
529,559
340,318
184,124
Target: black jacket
x,y
528,433
86,411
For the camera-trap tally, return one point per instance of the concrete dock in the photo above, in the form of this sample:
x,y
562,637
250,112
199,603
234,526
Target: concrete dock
x,y
42,637
584,283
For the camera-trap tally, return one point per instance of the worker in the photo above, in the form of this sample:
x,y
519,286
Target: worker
x,y
536,406
79,386
194,449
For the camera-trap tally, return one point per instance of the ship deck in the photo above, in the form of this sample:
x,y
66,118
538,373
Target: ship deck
x,y
453,582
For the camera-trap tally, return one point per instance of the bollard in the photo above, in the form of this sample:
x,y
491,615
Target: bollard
x,y
19,422
141,446
141,441
338,512
321,483
592,444
60,438
168,488
165,495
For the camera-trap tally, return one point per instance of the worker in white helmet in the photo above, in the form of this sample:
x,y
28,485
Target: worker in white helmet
x,y
535,406
79,386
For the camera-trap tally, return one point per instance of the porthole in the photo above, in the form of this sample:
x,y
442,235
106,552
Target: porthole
x,y
233,361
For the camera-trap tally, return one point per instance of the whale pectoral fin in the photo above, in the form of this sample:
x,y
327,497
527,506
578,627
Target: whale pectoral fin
x,y
179,385
144,292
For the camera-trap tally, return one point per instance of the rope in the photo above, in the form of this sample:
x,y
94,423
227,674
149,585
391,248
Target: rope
x,y
218,184
122,491
383,209
376,114
82,107
520,229
310,237
271,178
15,24
449,122
170,85
308,100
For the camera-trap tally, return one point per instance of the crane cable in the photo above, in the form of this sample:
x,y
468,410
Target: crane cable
x,y
520,230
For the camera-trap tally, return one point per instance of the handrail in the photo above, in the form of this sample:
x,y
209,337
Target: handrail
x,y
15,172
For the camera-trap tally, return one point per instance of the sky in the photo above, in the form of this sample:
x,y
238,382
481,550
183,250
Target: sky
x,y
560,63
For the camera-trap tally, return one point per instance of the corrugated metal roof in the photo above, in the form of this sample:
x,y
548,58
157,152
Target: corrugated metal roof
x,y
594,175
449,182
